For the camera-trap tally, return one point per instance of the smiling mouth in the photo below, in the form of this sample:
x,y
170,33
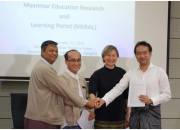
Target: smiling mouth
x,y
76,67
53,57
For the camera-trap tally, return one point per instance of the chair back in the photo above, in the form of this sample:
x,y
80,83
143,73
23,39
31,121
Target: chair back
x,y
18,109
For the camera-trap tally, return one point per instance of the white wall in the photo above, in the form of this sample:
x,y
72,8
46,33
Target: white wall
x,y
171,110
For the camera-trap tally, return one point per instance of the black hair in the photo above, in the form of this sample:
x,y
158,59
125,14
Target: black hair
x,y
66,54
46,43
144,43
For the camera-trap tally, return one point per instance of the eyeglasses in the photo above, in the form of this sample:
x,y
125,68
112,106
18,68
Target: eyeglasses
x,y
74,61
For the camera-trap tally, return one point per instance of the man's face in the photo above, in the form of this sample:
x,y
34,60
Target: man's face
x,y
74,61
50,54
143,55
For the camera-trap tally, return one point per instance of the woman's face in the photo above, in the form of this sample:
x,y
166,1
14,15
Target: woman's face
x,y
110,59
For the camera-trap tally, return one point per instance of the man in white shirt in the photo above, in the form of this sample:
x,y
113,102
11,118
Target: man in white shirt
x,y
157,89
78,84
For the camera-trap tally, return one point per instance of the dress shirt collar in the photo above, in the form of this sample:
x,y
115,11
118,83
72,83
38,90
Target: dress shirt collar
x,y
45,61
149,67
75,76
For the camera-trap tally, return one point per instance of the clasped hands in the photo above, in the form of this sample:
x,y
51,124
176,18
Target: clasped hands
x,y
94,103
98,102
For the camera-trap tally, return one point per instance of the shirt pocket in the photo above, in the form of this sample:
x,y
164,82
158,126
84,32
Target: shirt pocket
x,y
84,91
54,112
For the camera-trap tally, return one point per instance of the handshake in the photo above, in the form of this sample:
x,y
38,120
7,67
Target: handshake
x,y
95,103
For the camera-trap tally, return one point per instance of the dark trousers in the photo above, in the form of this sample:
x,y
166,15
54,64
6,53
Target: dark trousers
x,y
148,117
33,124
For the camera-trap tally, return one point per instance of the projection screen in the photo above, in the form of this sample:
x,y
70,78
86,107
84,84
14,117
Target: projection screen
x,y
85,26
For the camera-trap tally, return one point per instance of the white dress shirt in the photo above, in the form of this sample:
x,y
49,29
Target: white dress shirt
x,y
45,61
157,84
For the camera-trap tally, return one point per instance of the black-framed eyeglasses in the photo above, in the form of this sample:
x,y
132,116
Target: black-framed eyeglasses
x,y
74,61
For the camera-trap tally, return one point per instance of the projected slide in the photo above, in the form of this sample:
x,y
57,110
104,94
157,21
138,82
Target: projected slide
x,y
85,26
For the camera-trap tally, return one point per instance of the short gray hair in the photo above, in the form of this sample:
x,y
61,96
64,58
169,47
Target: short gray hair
x,y
107,50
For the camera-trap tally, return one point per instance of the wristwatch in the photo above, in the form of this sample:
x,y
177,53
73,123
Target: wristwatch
x,y
151,102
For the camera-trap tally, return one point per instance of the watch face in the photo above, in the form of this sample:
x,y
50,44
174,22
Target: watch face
x,y
151,102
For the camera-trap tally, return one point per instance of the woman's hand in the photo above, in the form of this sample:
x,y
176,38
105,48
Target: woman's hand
x,y
127,121
99,103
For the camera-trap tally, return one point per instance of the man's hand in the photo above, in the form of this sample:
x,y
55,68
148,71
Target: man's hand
x,y
100,102
92,103
96,101
89,104
91,115
127,121
145,99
